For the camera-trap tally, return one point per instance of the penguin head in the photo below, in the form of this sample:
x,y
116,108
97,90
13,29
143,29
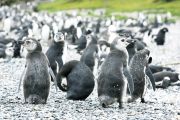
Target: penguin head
x,y
88,31
32,45
121,42
59,37
132,44
103,45
9,51
126,33
164,30
144,56
91,39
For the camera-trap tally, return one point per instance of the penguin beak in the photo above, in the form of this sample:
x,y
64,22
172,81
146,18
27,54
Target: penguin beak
x,y
166,30
88,32
21,42
130,41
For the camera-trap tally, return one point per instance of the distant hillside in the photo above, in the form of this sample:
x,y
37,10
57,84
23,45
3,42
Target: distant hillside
x,y
114,5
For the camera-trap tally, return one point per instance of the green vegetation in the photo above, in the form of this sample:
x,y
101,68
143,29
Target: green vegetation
x,y
114,5
10,2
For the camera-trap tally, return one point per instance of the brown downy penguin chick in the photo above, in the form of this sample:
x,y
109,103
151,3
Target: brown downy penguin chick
x,y
36,77
114,74
138,65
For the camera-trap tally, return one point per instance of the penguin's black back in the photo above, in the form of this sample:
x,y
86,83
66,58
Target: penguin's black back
x,y
111,77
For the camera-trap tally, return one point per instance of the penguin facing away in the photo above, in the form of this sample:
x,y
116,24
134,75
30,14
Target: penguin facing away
x,y
138,65
114,74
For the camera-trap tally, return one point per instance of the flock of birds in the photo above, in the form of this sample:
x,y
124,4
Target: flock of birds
x,y
112,50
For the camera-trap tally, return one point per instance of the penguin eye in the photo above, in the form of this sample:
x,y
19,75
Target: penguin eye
x,y
28,42
56,36
122,40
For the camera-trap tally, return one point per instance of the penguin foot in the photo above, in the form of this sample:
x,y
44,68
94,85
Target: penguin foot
x,y
103,105
120,105
143,101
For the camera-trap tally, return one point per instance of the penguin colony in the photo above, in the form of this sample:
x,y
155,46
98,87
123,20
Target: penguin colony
x,y
124,69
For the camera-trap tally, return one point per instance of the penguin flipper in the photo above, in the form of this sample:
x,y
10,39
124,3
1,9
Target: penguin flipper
x,y
129,79
20,81
53,76
151,78
60,84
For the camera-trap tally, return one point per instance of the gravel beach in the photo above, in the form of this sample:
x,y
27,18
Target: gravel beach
x,y
163,104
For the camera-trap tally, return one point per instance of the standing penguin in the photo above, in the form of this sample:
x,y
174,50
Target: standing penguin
x,y
160,38
98,26
112,80
74,38
36,80
7,24
45,33
17,48
138,65
131,48
81,43
80,80
55,52
89,54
